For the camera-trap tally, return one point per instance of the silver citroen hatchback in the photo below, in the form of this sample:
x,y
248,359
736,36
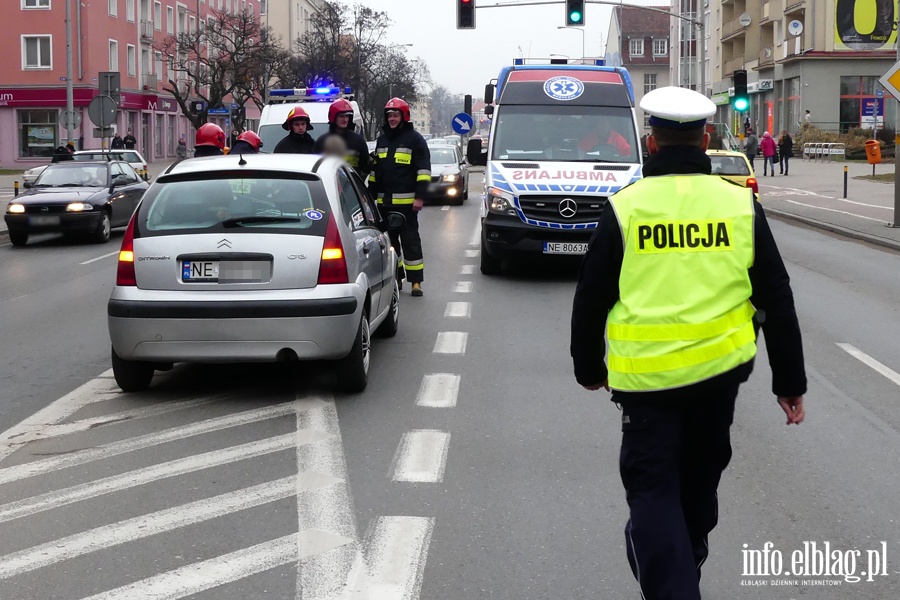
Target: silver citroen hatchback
x,y
266,257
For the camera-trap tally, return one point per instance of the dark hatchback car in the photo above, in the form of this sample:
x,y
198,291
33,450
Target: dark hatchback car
x,y
77,198
449,175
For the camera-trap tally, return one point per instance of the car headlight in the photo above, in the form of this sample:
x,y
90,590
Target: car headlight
x,y
78,207
16,209
449,178
500,202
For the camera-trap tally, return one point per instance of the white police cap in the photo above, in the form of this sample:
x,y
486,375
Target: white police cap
x,y
677,108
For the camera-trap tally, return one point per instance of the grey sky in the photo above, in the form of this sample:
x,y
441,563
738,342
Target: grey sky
x,y
464,61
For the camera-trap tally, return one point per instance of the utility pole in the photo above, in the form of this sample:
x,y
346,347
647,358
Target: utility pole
x,y
896,157
70,92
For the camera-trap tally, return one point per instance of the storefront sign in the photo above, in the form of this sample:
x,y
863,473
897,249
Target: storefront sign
x,y
56,97
865,24
41,137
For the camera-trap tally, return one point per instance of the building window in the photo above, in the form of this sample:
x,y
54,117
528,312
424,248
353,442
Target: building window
x,y
170,20
157,16
113,55
646,121
113,8
660,47
158,67
36,52
158,146
636,47
193,25
649,82
129,11
170,133
130,57
263,6
35,3
857,99
37,132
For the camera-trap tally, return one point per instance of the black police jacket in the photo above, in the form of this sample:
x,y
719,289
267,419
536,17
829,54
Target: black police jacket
x,y
393,177
295,144
200,151
357,150
598,291
242,147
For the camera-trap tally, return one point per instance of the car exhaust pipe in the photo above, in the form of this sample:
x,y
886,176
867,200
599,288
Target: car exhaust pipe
x,y
286,355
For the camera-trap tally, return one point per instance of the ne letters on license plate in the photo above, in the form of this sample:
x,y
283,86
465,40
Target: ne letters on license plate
x,y
200,270
565,247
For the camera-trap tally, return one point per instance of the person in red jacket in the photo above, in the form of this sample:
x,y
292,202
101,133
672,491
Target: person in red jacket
x,y
769,149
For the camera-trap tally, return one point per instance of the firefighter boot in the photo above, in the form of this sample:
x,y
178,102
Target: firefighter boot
x,y
417,289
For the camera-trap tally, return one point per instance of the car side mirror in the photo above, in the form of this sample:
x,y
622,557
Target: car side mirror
x,y
474,155
395,220
27,184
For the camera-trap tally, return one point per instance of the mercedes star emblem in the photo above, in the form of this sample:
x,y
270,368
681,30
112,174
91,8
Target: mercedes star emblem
x,y
568,208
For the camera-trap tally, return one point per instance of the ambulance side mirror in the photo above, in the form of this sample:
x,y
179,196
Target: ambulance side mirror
x,y
474,155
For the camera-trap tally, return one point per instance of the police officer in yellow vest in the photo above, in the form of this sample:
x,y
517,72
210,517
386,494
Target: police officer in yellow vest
x,y
681,272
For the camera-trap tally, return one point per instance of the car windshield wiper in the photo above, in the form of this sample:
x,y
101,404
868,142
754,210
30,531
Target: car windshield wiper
x,y
71,185
238,221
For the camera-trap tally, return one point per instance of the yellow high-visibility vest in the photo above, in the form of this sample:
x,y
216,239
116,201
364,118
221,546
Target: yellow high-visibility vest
x,y
684,312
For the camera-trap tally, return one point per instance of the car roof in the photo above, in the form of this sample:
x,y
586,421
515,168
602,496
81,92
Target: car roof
x,y
301,163
82,163
725,153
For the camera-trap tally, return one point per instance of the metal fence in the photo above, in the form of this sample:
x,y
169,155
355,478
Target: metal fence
x,y
824,151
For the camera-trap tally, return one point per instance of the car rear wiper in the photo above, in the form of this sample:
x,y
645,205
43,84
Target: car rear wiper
x,y
238,221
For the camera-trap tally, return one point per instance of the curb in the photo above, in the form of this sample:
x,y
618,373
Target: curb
x,y
844,231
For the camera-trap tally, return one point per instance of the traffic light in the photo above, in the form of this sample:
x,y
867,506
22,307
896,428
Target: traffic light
x,y
467,104
741,100
465,14
574,13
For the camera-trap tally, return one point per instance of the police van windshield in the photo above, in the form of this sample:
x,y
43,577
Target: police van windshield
x,y
565,133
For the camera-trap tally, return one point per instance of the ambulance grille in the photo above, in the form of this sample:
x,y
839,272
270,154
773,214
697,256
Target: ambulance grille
x,y
547,208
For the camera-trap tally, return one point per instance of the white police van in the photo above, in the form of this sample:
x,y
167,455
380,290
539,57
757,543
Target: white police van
x,y
315,101
564,137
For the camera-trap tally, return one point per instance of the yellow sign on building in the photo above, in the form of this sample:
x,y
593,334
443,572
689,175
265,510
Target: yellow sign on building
x,y
865,24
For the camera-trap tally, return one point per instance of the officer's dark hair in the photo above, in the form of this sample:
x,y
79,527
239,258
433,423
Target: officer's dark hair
x,y
677,137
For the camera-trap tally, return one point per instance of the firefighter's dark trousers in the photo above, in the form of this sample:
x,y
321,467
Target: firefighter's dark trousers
x,y
407,243
672,458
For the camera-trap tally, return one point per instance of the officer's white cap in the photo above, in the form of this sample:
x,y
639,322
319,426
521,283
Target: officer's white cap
x,y
677,108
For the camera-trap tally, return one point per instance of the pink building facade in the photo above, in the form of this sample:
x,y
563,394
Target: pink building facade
x,y
107,35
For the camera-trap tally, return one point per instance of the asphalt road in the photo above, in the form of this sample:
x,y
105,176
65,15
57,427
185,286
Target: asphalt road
x,y
472,467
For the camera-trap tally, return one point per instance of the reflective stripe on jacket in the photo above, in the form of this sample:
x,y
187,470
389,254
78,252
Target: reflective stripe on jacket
x,y
684,312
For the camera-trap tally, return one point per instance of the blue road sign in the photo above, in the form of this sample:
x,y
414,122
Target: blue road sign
x,y
462,124
879,93
218,111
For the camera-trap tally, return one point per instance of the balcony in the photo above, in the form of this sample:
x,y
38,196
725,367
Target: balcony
x,y
764,16
735,64
794,6
766,57
147,30
149,81
732,29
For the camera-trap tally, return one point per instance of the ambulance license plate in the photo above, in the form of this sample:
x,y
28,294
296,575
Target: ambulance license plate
x,y
565,247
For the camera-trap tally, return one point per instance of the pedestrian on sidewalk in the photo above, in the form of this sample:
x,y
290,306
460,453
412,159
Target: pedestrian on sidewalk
x,y
769,148
785,151
751,148
807,119
682,336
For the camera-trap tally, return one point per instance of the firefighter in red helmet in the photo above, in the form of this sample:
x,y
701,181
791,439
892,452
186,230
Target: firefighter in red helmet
x,y
247,143
297,141
340,123
210,140
399,179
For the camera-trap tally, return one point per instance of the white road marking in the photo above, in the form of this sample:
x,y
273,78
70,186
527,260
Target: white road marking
x,y
472,253
463,287
797,192
175,468
144,526
458,310
834,210
868,360
198,577
467,270
95,390
447,207
43,432
93,260
55,463
398,548
447,342
438,390
476,235
421,456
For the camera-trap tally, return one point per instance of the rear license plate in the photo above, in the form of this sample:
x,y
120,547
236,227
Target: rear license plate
x,y
206,271
226,271
41,221
565,247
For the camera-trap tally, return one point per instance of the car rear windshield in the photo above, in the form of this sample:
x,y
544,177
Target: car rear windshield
x,y
729,165
248,201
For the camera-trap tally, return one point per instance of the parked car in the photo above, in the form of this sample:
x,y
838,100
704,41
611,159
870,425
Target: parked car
x,y
266,257
436,142
132,157
449,175
734,166
87,198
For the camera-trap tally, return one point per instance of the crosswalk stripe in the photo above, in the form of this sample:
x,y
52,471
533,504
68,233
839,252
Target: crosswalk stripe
x,y
182,466
144,526
43,432
55,463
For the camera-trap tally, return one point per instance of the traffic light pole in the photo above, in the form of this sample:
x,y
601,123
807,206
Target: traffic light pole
x,y
698,22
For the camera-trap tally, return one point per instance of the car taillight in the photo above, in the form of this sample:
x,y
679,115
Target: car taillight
x,y
333,266
125,271
751,183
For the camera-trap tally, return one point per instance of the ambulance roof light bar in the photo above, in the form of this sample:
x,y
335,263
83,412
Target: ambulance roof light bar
x,y
317,93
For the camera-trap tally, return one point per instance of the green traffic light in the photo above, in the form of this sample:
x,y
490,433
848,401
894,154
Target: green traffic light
x,y
741,104
575,16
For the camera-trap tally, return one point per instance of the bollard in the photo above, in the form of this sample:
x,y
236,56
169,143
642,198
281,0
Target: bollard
x,y
845,181
16,188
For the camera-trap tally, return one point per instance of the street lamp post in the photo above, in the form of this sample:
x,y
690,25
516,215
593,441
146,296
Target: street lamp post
x,y
579,30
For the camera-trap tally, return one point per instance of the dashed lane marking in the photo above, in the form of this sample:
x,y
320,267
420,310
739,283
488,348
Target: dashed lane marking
x,y
451,342
458,310
447,207
476,235
438,390
463,287
472,253
93,260
421,456
868,360
467,270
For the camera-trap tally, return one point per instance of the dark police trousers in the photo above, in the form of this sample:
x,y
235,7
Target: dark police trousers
x,y
407,242
673,454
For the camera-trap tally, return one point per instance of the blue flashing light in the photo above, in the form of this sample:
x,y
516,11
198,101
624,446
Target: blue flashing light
x,y
323,90
518,61
348,90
